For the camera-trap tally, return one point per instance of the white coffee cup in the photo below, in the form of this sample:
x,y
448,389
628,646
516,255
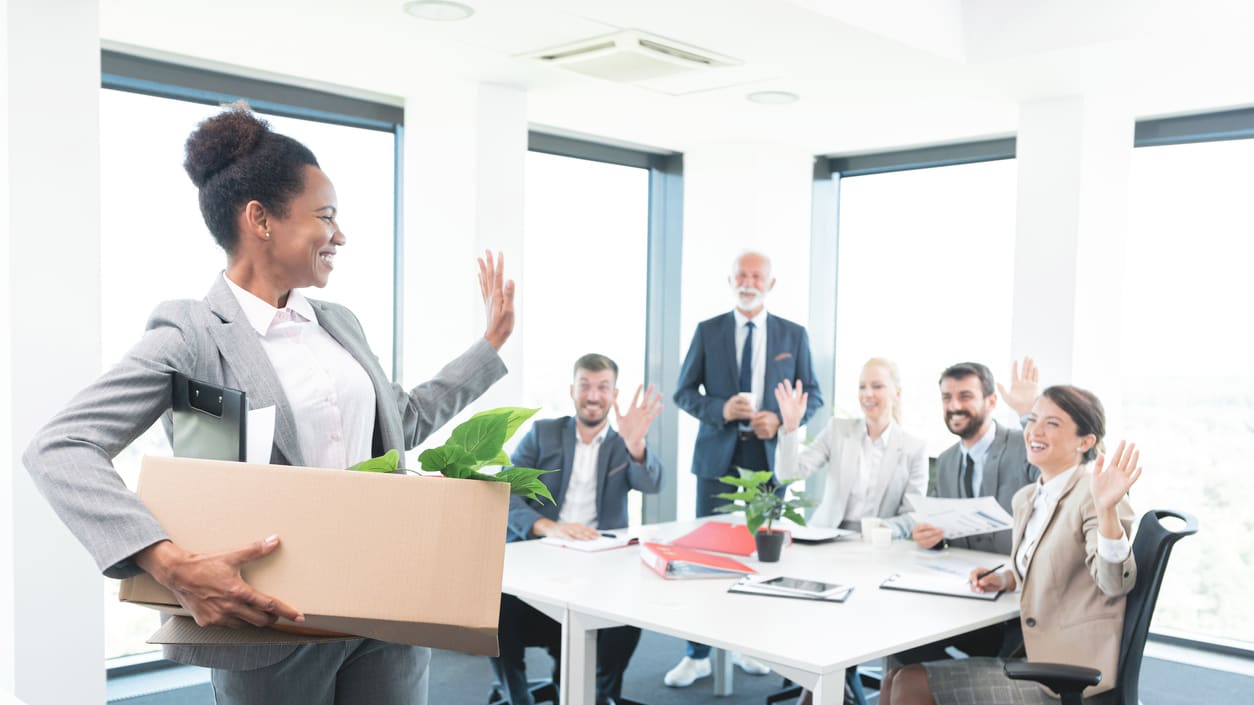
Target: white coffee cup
x,y
753,400
869,524
881,537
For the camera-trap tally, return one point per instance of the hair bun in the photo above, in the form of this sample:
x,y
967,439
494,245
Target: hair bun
x,y
220,140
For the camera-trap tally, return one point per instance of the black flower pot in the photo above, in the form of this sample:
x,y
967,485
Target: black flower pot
x,y
770,543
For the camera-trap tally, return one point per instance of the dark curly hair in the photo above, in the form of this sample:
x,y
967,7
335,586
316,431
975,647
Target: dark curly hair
x,y
1085,409
233,158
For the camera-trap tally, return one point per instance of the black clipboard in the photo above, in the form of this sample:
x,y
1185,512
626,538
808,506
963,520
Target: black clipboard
x,y
210,422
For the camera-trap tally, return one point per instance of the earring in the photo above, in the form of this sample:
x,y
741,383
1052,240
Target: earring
x,y
267,235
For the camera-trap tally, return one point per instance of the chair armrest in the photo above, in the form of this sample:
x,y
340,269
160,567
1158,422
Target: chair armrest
x,y
1058,677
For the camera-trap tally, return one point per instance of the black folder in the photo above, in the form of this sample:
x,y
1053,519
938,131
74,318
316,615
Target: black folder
x,y
210,421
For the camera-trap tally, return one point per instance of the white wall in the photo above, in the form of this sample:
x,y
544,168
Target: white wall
x,y
51,628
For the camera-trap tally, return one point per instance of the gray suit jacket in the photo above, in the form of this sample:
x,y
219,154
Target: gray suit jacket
x,y
211,340
550,445
1006,470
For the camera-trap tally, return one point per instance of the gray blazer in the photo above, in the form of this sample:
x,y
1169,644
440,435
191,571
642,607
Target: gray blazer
x,y
211,340
1006,470
550,445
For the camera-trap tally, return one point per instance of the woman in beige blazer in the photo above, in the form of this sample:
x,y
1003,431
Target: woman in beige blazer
x,y
872,463
1072,562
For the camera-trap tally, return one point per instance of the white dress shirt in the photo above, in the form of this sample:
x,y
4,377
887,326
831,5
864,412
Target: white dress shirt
x,y
330,394
862,499
1047,496
579,504
758,362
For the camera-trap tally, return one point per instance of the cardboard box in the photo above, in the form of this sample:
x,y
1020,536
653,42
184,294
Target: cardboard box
x,y
400,558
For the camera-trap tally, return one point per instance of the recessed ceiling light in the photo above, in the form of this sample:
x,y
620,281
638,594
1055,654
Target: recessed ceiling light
x,y
439,10
773,97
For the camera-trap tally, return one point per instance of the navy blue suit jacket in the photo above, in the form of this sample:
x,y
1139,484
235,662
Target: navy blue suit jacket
x,y
710,377
550,445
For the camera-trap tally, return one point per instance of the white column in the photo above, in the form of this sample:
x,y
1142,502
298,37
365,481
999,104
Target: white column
x,y
740,196
1073,155
464,167
51,623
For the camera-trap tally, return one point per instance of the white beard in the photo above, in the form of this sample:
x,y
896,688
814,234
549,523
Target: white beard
x,y
759,298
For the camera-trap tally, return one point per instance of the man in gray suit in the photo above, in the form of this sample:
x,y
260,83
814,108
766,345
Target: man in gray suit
x,y
989,460
594,469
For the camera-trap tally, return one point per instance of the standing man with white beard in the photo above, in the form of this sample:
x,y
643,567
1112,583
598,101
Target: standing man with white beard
x,y
734,362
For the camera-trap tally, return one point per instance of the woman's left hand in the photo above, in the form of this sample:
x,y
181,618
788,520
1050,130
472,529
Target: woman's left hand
x,y
498,298
1111,481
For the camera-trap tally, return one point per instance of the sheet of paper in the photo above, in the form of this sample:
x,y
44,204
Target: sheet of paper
x,y
961,517
603,542
260,435
936,584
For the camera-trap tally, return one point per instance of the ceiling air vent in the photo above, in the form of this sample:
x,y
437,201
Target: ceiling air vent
x,y
631,56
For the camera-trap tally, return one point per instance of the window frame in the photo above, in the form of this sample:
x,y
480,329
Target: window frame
x,y
665,266
1210,126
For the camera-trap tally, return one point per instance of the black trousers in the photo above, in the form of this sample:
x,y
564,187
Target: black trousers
x,y
522,625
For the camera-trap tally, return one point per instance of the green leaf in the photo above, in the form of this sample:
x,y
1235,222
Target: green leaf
x,y
755,523
729,508
449,460
515,416
795,517
501,460
737,496
526,482
482,435
384,463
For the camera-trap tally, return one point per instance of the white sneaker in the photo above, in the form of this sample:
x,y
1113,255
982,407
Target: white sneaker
x,y
750,665
688,671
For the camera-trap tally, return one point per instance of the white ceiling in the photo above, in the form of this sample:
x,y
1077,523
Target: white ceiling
x,y
872,74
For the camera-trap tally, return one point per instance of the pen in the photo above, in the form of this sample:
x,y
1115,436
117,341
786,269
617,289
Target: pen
x,y
612,536
989,572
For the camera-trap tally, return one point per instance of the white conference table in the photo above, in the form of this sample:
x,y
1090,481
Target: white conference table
x,y
809,642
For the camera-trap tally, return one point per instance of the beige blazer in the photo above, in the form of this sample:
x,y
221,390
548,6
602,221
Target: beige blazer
x,y
902,471
1072,604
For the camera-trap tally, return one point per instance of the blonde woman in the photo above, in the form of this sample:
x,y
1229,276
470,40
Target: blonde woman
x,y
872,463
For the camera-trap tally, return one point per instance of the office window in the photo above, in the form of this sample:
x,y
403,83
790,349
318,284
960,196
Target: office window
x,y
925,278
1188,389
585,248
154,246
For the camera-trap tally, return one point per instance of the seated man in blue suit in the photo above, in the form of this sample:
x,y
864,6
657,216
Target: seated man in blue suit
x,y
596,467
727,382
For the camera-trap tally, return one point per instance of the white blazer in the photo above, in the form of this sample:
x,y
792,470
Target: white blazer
x,y
902,471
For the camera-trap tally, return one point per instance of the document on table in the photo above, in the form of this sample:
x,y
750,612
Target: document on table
x,y
936,584
813,534
602,542
961,517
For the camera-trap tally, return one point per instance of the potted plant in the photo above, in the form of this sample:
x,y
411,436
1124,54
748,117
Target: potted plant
x,y
756,497
475,444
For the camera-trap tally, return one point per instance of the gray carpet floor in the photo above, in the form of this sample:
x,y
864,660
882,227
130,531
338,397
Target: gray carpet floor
x,y
458,679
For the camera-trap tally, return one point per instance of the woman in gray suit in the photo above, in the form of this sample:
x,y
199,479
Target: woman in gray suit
x,y
1072,563
274,212
872,463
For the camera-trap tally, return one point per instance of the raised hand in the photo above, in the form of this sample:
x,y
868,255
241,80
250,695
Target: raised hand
x,y
1111,481
792,404
210,585
633,426
1024,386
498,298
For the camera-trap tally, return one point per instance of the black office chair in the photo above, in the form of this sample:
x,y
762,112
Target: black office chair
x,y
542,691
1152,548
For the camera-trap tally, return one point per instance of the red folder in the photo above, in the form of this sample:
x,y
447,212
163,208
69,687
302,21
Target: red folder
x,y
676,562
719,536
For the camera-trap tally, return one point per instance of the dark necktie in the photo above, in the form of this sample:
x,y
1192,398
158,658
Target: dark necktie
x,y
746,360
968,476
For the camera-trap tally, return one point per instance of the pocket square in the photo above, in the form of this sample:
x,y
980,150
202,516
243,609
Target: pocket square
x,y
783,356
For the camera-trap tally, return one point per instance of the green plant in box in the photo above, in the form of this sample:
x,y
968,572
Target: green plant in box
x,y
755,496
475,444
